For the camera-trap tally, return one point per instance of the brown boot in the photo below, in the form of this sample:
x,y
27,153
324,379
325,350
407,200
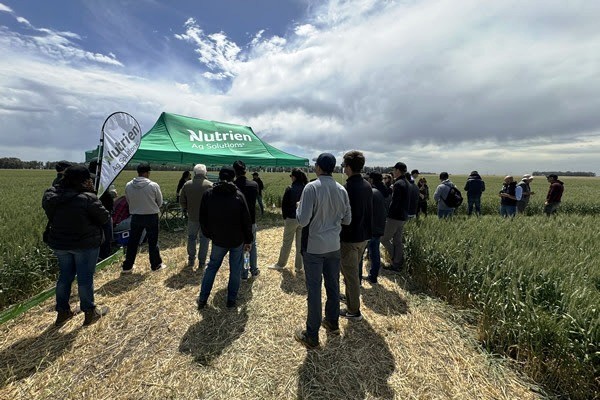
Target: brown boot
x,y
94,315
63,317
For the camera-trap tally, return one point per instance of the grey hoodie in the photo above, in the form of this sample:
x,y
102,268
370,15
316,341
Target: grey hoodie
x,y
441,192
144,196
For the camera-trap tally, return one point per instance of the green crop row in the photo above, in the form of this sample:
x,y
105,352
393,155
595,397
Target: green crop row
x,y
27,265
535,281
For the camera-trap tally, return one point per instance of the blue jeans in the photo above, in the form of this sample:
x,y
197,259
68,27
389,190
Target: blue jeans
x,y
508,211
236,262
319,267
474,201
140,222
80,262
445,213
194,232
253,255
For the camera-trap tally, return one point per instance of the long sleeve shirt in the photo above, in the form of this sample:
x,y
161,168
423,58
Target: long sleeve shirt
x,y
324,206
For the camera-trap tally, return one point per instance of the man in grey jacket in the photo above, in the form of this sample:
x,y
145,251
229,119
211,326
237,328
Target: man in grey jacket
x,y
190,198
323,207
144,198
441,193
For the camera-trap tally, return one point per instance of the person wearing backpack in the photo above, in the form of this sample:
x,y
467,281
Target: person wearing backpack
x,y
441,196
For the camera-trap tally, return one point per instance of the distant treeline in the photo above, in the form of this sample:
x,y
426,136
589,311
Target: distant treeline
x,y
16,163
563,173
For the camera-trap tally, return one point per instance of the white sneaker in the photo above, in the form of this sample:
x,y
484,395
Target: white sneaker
x,y
161,267
276,266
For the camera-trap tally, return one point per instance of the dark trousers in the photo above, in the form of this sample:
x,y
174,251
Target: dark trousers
x,y
138,224
319,268
422,209
473,202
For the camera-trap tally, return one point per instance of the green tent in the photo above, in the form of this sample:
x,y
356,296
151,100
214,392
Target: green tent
x,y
176,139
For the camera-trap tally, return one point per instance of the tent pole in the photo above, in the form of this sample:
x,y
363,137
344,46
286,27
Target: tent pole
x,y
100,148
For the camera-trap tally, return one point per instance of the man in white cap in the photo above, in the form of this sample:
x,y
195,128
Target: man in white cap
x,y
524,184
190,198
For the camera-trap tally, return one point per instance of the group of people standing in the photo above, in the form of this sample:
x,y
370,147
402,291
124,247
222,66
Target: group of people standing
x,y
514,196
332,226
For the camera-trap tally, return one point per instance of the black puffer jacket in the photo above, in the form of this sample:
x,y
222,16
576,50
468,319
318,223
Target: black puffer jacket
x,y
224,216
75,218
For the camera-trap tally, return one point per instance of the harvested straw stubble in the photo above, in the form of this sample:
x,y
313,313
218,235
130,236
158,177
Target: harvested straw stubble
x,y
154,344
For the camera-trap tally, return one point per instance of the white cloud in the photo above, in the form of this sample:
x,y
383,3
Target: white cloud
x,y
436,72
441,85
305,30
44,42
215,50
5,8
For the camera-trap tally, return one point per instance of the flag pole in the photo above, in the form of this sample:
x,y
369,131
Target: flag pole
x,y
100,148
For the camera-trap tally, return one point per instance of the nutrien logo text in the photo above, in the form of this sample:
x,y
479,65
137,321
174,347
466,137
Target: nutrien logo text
x,y
210,139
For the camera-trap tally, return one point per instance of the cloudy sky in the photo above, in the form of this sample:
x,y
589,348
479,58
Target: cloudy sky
x,y
499,86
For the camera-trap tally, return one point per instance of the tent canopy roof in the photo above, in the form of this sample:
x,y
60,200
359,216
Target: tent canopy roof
x,y
176,139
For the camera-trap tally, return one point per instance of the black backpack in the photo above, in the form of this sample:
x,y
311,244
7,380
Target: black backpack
x,y
454,198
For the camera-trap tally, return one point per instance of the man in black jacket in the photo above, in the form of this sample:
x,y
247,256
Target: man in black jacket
x,y
474,187
354,237
413,196
380,212
250,191
397,216
225,220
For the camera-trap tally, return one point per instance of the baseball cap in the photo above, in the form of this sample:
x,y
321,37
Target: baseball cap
x,y
326,161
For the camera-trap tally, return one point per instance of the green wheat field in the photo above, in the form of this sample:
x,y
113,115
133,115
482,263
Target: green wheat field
x,y
533,281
